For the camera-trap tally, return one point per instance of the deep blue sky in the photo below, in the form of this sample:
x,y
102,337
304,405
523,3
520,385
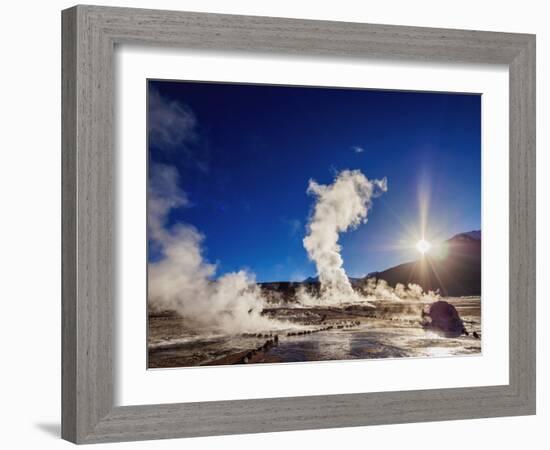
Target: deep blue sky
x,y
246,159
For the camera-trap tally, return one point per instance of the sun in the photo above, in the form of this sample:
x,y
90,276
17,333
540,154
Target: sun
x,y
423,246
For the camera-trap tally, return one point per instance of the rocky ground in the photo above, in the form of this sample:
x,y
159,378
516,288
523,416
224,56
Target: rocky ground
x,y
390,330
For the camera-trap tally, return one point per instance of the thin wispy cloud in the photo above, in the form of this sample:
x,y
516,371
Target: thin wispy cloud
x,y
294,226
173,127
357,149
171,124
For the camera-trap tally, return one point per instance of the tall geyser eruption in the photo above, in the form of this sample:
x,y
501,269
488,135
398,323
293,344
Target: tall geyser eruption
x,y
180,280
339,207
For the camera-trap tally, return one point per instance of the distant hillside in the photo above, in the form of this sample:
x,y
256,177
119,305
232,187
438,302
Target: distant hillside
x,y
473,234
457,274
315,280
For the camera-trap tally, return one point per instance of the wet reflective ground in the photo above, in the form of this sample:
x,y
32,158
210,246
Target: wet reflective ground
x,y
391,330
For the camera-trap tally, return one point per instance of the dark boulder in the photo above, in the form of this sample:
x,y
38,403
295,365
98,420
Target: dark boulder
x,y
442,317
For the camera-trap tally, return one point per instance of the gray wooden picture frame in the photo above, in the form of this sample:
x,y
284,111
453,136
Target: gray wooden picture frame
x,y
90,34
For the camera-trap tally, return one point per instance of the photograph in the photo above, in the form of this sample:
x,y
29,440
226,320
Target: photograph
x,y
294,224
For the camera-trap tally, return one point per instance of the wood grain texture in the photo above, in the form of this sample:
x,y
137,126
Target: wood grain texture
x,y
68,225
89,37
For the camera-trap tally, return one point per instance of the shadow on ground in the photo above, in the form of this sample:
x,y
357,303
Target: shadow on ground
x,y
53,429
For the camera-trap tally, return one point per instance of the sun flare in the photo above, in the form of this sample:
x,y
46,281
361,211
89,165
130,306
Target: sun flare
x,y
423,246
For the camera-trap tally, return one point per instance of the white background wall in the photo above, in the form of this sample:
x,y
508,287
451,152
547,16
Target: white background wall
x,y
30,222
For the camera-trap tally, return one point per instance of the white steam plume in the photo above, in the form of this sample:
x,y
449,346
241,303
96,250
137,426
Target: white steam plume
x,y
182,281
339,207
379,290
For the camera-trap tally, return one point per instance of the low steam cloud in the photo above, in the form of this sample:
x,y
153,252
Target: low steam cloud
x,y
339,207
379,290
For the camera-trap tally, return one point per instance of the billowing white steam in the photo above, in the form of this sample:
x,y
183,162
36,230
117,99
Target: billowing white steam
x,y
380,290
182,281
339,207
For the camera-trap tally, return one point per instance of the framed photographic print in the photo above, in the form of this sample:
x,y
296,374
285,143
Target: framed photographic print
x,y
268,222
233,172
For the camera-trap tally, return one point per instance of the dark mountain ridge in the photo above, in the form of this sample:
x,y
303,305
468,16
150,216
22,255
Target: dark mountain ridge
x,y
458,273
